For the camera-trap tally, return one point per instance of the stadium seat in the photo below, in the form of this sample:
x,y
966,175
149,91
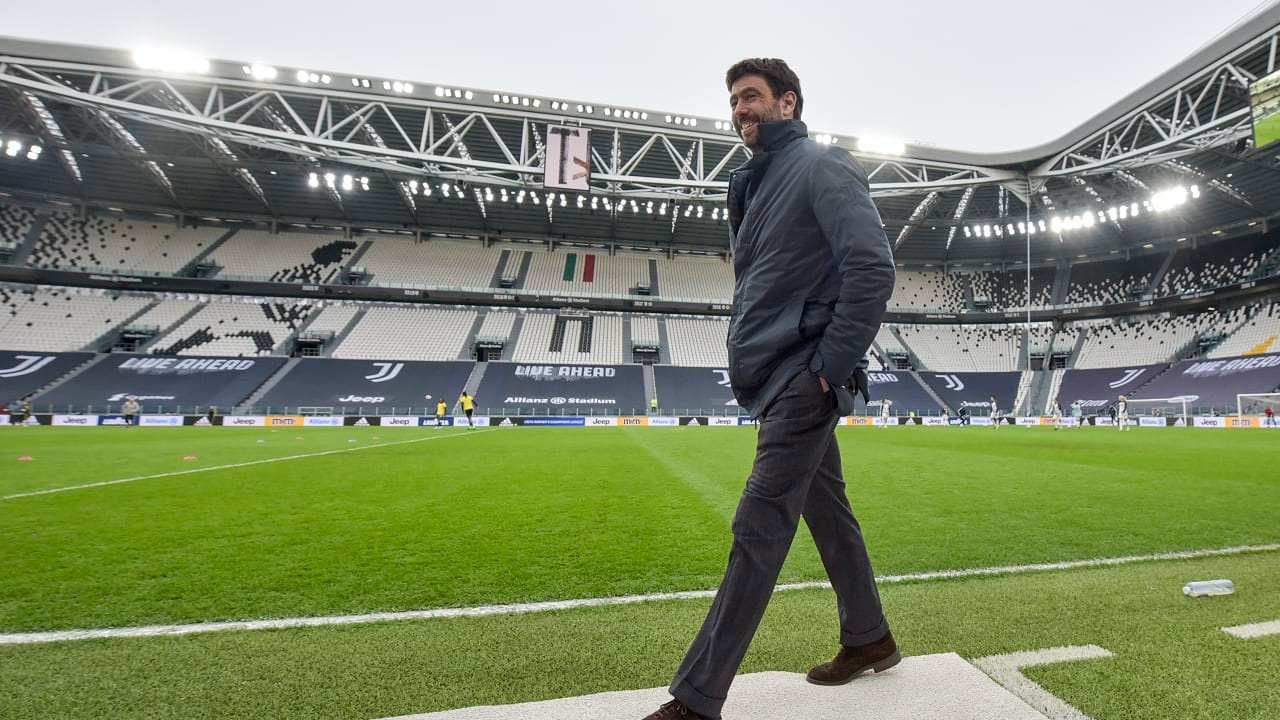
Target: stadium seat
x,y
232,327
408,333
283,257
697,342
432,264
64,319
118,245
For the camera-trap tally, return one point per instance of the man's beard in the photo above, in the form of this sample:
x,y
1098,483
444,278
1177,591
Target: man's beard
x,y
773,114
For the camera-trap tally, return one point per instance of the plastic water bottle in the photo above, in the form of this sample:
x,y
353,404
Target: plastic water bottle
x,y
1202,588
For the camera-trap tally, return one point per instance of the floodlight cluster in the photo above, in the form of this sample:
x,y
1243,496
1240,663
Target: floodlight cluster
x,y
873,145
1160,202
306,77
682,120
345,182
625,114
447,92
11,148
260,72
517,100
553,199
168,60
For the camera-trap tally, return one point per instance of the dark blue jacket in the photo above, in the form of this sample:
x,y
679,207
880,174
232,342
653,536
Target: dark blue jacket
x,y
813,266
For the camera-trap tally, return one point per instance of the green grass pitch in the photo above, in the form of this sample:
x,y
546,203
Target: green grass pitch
x,y
460,518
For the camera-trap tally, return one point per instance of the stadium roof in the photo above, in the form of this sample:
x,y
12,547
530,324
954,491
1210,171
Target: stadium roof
x,y
152,131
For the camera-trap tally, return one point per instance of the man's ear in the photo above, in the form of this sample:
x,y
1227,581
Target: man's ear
x,y
788,102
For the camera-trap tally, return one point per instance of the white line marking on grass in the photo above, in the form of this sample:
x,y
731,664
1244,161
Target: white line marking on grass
x,y
1254,630
193,471
30,638
1007,670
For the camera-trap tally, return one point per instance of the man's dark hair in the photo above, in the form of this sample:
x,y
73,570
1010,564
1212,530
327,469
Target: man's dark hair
x,y
775,71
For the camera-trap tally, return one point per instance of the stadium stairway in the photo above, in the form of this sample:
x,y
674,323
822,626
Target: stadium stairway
x,y
338,338
472,386
1075,351
522,273
498,272
1160,273
28,243
1054,384
1038,389
923,687
911,354
664,343
108,338
654,290
509,350
650,382
1061,284
246,406
1024,388
285,346
468,351
355,257
164,331
72,373
190,267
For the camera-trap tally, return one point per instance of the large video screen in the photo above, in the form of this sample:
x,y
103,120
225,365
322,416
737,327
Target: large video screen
x,y
568,163
1264,95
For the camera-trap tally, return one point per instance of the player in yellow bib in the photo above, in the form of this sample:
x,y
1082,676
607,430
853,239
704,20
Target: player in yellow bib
x,y
468,404
441,409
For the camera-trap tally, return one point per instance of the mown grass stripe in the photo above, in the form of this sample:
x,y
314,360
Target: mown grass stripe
x,y
32,638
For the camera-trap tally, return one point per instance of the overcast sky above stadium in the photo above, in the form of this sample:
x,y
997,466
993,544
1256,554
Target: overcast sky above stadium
x,y
982,76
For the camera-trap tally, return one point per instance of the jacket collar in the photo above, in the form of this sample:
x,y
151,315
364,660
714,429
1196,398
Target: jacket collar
x,y
778,133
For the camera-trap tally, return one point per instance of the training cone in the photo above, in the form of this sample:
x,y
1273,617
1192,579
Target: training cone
x,y
25,458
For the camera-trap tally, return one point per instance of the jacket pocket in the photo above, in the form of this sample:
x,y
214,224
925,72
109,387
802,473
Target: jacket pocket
x,y
757,345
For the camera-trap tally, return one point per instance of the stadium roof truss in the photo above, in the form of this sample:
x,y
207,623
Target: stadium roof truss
x,y
410,138
257,142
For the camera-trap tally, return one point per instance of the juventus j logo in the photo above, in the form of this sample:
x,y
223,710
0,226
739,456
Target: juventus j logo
x,y
1129,376
953,382
27,364
386,371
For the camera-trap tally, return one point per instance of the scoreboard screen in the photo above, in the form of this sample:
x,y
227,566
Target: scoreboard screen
x,y
1264,96
568,164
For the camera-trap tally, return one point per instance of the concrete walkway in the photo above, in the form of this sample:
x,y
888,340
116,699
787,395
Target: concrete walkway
x,y
926,687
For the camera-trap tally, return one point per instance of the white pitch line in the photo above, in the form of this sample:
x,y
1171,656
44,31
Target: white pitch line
x,y
31,638
1254,630
193,471
1007,670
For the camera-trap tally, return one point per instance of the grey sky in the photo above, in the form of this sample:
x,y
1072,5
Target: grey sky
x,y
982,76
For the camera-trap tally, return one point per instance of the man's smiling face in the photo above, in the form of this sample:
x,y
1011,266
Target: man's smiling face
x,y
751,102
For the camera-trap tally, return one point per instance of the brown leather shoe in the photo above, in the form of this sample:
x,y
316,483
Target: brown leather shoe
x,y
675,710
853,661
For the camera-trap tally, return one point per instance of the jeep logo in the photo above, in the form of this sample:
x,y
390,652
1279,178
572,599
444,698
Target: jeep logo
x,y
361,399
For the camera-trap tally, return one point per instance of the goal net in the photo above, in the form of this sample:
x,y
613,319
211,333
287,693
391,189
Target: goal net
x,y
1257,404
1179,407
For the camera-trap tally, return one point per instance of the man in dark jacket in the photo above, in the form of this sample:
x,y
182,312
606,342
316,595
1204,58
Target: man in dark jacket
x,y
814,272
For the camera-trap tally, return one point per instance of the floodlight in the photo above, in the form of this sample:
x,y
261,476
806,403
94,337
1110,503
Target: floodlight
x,y
12,147
881,145
468,94
313,181
263,72
173,61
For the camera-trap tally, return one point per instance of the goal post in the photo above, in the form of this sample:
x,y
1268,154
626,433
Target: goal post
x,y
1164,407
1257,403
